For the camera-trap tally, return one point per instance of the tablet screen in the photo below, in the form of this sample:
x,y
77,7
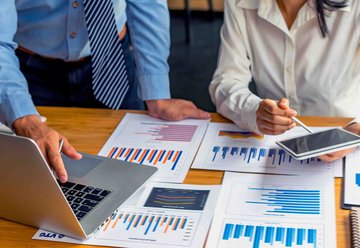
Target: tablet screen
x,y
327,139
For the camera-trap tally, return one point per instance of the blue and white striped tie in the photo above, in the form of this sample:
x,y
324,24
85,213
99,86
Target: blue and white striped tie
x,y
110,81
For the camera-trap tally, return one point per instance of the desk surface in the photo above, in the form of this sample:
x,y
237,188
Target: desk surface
x,y
88,130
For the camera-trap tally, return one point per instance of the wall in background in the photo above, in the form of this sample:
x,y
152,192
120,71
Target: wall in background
x,y
196,4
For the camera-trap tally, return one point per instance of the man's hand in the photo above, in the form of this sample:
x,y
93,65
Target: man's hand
x,y
175,109
48,141
274,117
353,127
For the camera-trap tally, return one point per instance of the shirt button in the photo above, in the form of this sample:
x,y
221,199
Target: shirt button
x,y
73,35
75,4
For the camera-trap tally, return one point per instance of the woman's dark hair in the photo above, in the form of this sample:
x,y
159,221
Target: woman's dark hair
x,y
322,5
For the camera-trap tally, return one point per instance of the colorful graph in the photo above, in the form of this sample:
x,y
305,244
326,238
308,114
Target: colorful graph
x,y
281,201
177,198
152,157
248,235
168,132
250,155
160,227
240,134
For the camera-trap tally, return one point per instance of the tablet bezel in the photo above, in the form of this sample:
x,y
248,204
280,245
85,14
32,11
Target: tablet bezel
x,y
321,151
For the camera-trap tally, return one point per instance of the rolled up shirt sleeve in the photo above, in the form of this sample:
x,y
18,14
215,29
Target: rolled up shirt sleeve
x,y
149,23
229,89
15,100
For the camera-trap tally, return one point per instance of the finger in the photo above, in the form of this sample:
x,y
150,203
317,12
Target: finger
x,y
274,118
70,151
271,128
335,155
272,108
328,158
342,153
283,103
56,162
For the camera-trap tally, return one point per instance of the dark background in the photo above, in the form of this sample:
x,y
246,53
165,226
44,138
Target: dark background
x,y
192,65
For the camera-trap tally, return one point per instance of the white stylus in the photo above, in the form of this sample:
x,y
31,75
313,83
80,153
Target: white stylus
x,y
301,124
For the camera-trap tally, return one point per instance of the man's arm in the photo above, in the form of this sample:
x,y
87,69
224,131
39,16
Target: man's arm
x,y
16,107
149,26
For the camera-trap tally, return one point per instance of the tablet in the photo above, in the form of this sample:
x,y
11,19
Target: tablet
x,y
319,143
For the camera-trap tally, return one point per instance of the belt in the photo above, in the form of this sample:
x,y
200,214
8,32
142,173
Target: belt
x,y
25,50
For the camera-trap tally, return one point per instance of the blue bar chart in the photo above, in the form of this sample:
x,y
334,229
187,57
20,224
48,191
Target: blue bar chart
x,y
248,155
286,201
277,200
228,148
274,211
160,227
263,235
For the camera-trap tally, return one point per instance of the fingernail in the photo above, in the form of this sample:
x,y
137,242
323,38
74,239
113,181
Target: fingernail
x,y
62,179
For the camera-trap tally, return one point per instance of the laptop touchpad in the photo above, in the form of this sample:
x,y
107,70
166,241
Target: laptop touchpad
x,y
79,168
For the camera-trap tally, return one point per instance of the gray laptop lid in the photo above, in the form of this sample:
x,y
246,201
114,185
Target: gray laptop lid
x,y
30,194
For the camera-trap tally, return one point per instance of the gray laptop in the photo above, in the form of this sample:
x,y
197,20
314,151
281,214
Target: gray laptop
x,y
30,194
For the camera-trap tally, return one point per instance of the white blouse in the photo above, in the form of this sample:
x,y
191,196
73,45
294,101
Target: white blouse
x,y
320,76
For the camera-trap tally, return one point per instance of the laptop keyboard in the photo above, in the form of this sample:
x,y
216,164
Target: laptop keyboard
x,y
82,198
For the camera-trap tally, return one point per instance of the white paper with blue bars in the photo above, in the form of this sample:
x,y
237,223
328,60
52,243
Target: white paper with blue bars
x,y
228,148
274,211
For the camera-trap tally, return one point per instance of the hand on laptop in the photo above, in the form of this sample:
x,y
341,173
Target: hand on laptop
x,y
175,109
48,141
352,127
273,117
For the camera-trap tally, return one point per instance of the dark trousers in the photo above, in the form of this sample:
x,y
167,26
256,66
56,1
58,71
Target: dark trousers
x,y
53,82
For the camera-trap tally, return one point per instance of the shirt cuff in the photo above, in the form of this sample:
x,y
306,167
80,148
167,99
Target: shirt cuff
x,y
154,87
16,107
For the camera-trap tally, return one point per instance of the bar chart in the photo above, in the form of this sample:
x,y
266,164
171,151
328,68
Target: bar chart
x,y
169,146
352,179
261,155
167,132
147,156
274,211
150,226
277,200
243,234
238,134
226,147
189,199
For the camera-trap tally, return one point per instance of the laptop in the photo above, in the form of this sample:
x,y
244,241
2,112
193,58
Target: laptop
x,y
31,194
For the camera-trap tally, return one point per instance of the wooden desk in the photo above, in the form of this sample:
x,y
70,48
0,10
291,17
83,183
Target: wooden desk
x,y
88,129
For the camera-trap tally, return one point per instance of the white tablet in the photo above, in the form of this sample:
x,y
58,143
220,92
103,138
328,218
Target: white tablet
x,y
319,143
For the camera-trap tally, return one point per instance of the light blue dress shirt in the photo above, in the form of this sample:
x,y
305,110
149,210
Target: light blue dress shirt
x,y
56,28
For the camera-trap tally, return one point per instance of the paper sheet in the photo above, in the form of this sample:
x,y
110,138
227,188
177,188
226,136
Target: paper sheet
x,y
166,215
352,179
274,211
170,146
226,147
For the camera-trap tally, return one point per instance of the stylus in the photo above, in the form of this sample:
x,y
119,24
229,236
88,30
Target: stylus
x,y
301,124
61,145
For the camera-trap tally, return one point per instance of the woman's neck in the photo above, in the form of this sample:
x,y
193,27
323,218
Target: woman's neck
x,y
289,9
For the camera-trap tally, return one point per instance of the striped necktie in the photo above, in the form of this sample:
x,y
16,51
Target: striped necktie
x,y
110,81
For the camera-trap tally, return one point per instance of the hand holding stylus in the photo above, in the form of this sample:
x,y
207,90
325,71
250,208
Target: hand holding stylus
x,y
274,117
